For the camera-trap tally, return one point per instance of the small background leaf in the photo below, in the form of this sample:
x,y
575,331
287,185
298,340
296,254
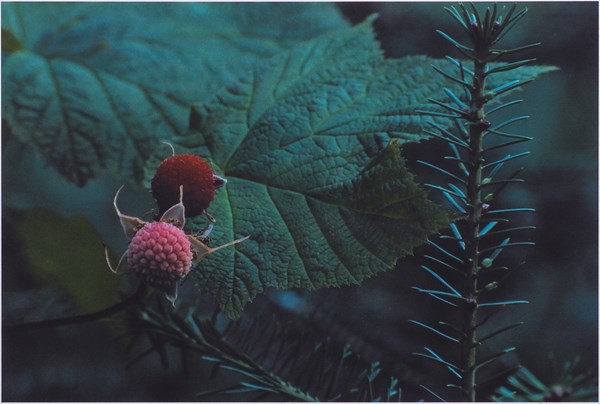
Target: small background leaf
x,y
67,252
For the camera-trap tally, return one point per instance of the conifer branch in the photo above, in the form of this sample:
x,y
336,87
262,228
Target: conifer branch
x,y
474,233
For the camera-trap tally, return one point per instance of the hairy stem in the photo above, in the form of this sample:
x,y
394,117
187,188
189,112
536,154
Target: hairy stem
x,y
484,31
474,196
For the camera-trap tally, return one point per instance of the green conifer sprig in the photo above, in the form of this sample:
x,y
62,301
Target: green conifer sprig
x,y
569,384
464,264
275,356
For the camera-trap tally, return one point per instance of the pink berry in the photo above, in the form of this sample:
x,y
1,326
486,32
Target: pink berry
x,y
160,254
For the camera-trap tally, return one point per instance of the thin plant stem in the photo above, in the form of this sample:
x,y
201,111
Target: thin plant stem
x,y
82,318
475,203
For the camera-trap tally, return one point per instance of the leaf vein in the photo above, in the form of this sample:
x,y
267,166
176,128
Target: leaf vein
x,y
70,144
291,236
329,243
367,248
251,101
143,88
115,111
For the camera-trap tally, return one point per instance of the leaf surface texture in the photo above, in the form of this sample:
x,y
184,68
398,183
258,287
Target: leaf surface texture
x,y
95,86
311,146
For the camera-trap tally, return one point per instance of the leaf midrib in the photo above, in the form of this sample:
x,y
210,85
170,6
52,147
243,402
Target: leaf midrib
x,y
313,197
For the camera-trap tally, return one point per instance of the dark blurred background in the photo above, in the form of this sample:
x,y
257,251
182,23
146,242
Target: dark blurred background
x,y
560,278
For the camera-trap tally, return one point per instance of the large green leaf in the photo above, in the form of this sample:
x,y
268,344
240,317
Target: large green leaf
x,y
95,86
304,142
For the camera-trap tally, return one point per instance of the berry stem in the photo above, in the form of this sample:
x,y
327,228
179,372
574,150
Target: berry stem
x,y
83,318
475,164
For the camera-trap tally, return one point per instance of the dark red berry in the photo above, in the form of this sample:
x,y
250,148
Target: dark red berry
x,y
197,179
